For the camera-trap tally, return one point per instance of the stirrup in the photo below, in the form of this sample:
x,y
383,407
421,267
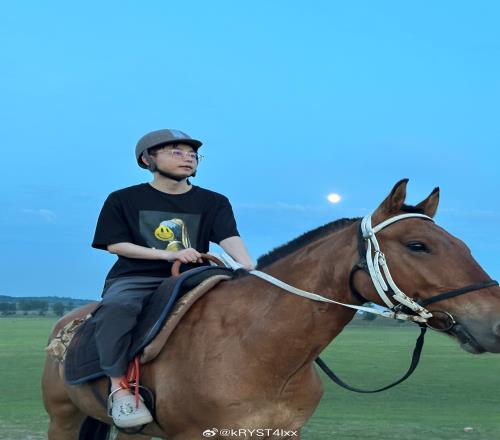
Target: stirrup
x,y
110,400
129,415
149,396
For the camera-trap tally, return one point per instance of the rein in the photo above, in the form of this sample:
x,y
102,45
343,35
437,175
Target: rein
x,y
417,351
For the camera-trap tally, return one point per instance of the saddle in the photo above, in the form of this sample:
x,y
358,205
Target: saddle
x,y
73,340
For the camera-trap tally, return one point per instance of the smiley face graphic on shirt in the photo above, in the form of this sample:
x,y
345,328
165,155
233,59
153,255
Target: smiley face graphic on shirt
x,y
174,232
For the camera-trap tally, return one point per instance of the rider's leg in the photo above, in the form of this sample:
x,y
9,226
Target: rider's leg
x,y
115,319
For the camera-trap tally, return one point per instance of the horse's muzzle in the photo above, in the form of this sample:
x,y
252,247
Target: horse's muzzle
x,y
496,329
477,337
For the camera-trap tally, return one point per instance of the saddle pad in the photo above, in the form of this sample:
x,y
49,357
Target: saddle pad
x,y
82,359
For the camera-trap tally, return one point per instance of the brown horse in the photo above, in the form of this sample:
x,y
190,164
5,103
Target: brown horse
x,y
243,356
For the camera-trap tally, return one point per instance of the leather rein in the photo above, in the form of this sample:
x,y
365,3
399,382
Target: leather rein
x,y
372,261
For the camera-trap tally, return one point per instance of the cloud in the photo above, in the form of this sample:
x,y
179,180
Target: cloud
x,y
47,191
45,214
265,206
282,206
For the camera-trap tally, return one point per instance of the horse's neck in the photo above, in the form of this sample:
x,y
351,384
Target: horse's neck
x,y
299,328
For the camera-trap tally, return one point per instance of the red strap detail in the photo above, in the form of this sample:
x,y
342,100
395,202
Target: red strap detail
x,y
136,361
133,373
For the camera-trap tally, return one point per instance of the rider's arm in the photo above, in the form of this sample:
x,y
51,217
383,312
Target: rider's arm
x,y
235,247
132,250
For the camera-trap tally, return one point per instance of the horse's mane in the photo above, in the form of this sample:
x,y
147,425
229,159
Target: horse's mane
x,y
302,240
315,234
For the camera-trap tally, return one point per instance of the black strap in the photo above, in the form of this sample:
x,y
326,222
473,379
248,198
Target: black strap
x,y
360,265
355,291
414,362
458,292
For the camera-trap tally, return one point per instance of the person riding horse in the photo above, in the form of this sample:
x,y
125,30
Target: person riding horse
x,y
243,355
148,226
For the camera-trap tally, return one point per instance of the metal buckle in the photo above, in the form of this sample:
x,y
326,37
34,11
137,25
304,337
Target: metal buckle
x,y
441,321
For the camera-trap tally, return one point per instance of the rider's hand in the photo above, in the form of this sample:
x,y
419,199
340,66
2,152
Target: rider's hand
x,y
188,255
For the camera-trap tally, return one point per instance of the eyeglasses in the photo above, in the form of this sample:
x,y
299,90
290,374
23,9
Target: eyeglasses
x,y
180,154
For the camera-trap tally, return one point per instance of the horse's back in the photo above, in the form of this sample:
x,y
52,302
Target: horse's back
x,y
78,313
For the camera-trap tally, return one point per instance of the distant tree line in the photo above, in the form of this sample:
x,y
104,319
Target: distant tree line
x,y
7,308
36,306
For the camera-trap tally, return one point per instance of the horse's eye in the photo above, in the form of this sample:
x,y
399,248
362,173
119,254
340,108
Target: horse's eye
x,y
417,246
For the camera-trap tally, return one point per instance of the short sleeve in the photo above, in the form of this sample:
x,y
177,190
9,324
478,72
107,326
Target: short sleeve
x,y
224,225
111,226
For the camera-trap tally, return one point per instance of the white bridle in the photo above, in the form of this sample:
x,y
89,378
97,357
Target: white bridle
x,y
376,261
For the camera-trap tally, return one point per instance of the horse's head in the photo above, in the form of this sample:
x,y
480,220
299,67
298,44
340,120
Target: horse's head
x,y
426,261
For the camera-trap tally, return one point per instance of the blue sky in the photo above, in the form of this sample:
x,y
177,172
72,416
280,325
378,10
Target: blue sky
x,y
292,99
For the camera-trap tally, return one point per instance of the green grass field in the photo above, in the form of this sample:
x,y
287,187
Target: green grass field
x,y
449,391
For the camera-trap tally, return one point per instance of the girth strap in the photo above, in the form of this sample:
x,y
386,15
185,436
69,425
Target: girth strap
x,y
417,351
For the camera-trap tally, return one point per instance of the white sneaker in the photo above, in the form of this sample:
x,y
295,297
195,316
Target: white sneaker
x,y
125,413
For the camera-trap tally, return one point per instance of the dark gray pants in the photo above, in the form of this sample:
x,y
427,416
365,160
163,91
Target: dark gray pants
x,y
116,317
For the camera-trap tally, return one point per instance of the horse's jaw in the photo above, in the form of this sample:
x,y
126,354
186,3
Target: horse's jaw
x,y
472,348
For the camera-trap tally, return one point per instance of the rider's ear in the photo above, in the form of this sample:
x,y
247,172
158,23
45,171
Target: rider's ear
x,y
393,203
144,159
430,204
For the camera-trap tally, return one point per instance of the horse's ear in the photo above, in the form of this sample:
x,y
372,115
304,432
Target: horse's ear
x,y
393,202
430,204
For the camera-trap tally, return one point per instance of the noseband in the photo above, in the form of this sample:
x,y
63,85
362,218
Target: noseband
x,y
372,260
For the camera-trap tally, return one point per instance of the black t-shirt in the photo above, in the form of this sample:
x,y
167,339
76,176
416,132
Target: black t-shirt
x,y
142,215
